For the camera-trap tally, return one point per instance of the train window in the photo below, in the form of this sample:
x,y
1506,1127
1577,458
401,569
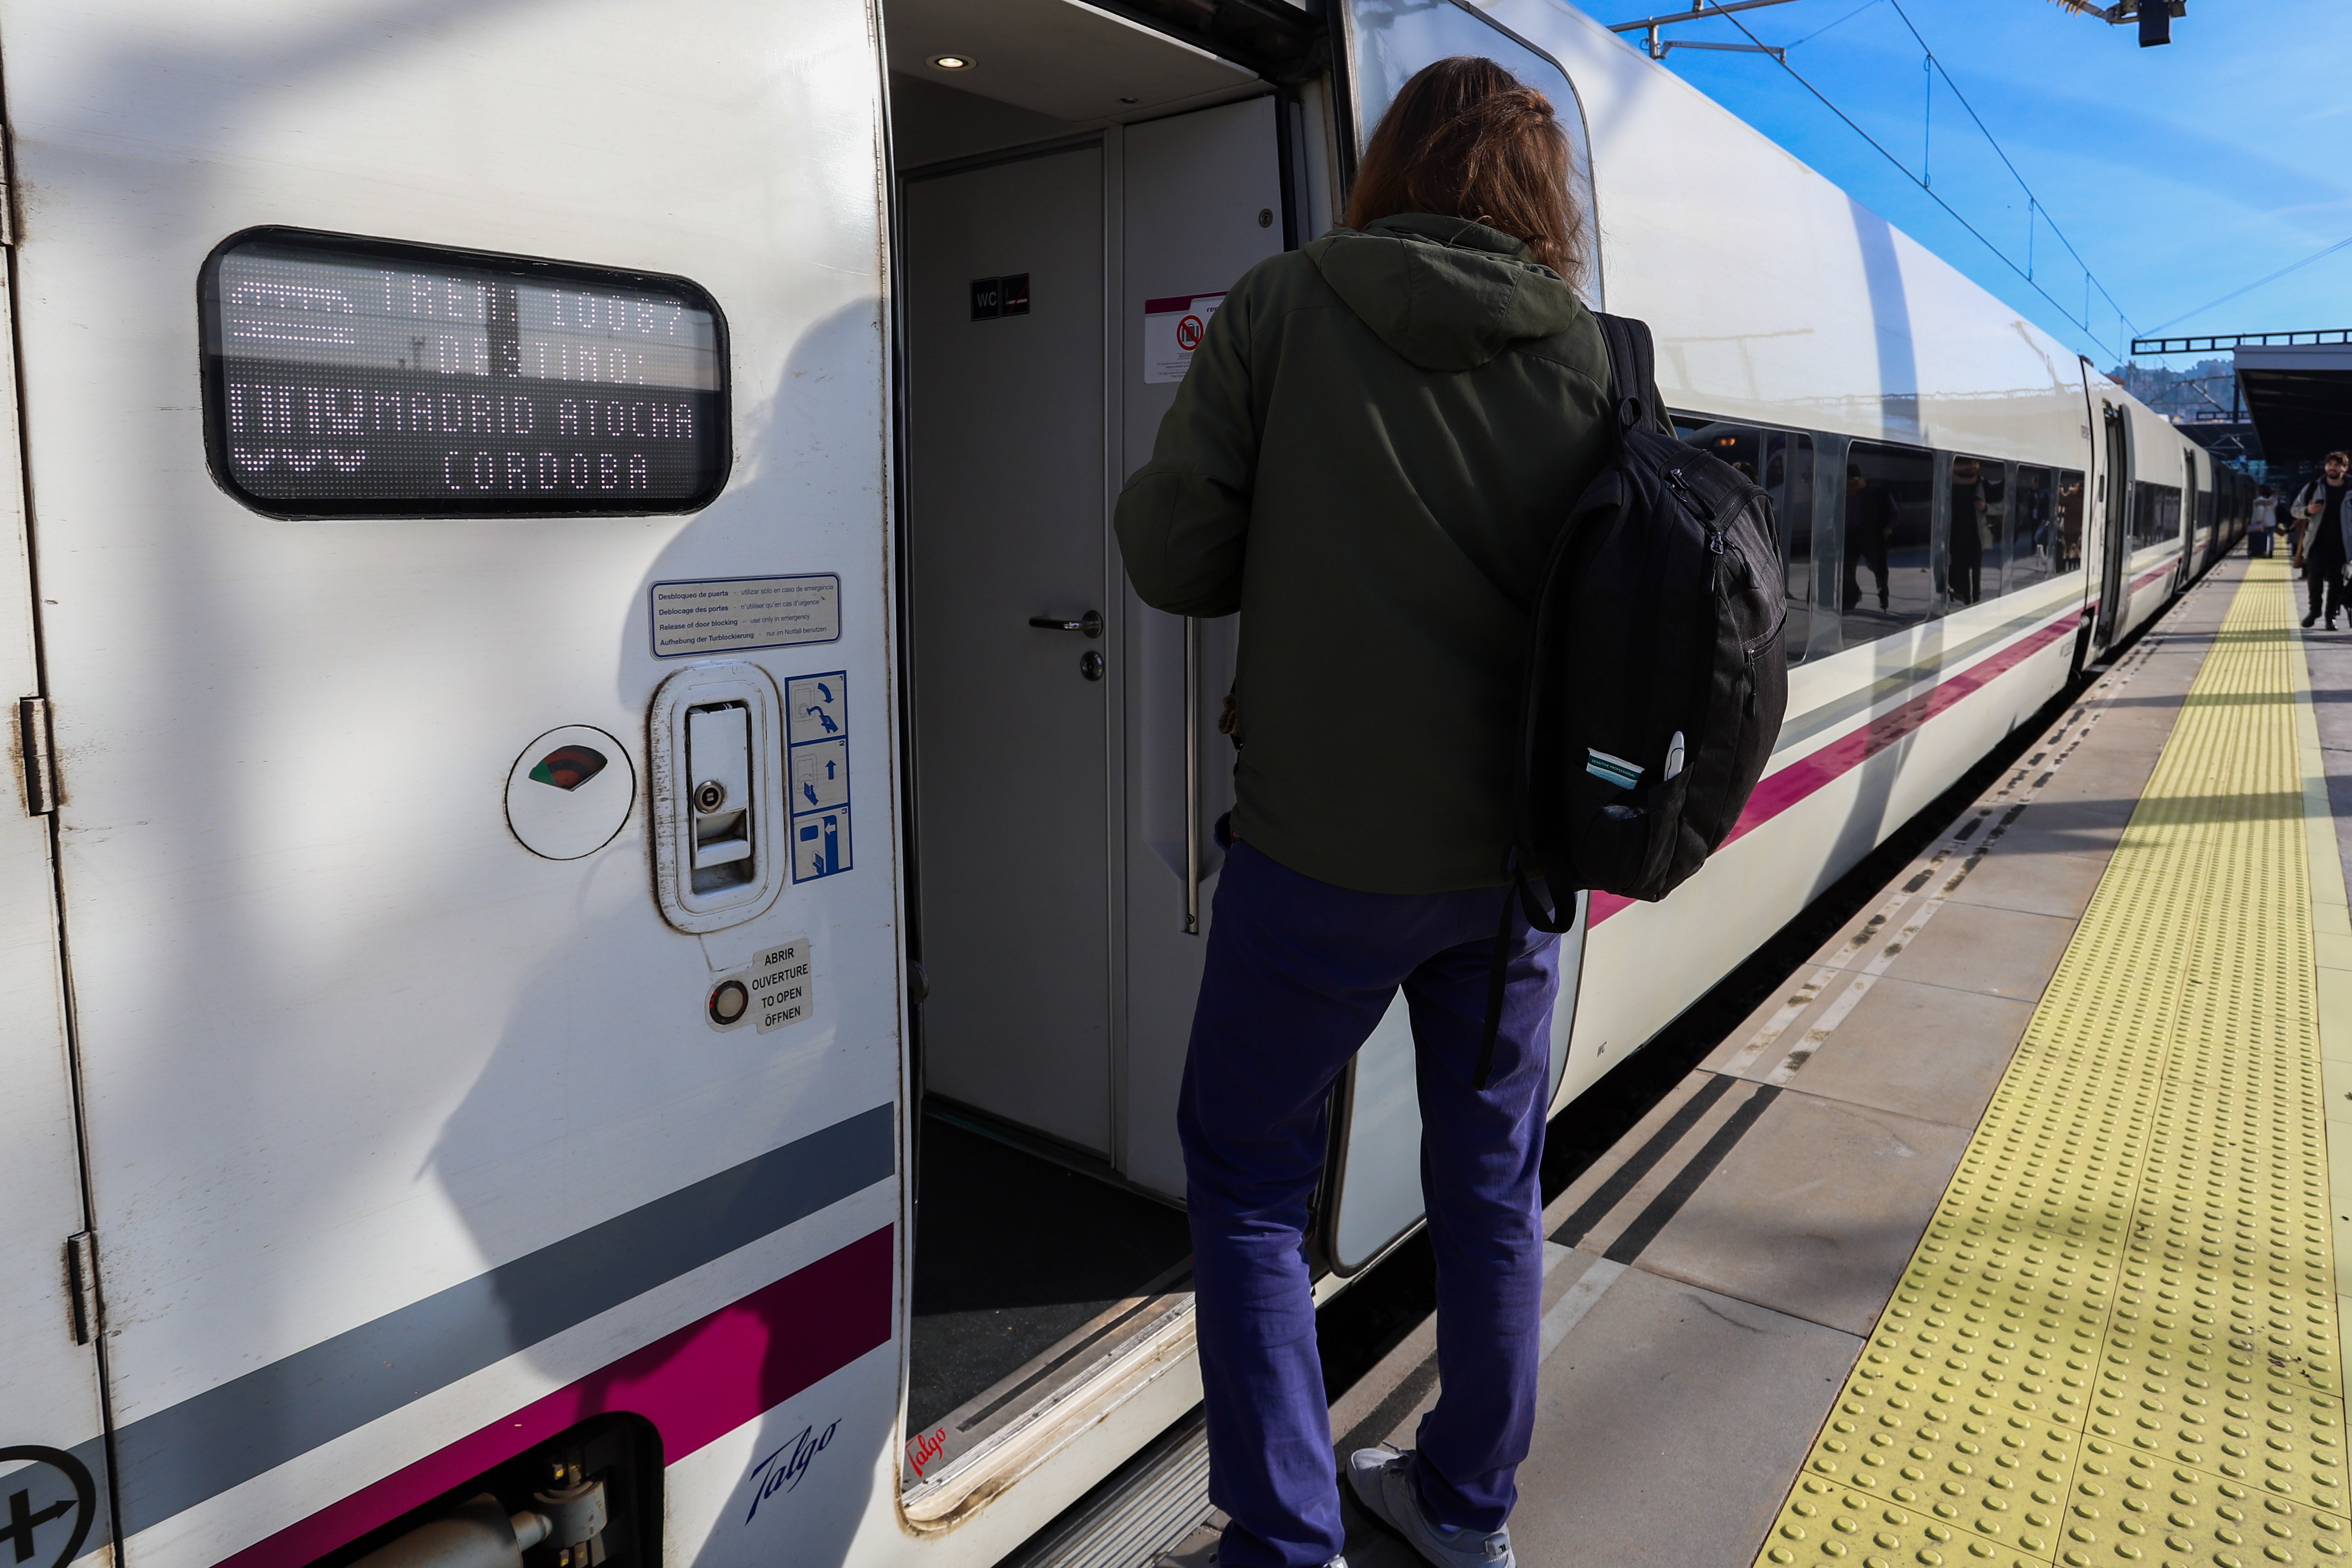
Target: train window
x,y
1788,476
2156,515
1388,40
1889,578
1735,444
1996,522
2029,532
368,378
2072,491
1977,499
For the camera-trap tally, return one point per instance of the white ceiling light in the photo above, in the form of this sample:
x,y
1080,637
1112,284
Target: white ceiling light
x,y
949,62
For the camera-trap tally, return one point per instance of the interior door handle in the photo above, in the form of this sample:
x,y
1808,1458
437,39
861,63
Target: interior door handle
x,y
1091,623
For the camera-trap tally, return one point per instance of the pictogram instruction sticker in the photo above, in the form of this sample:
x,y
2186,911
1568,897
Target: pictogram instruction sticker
x,y
783,984
817,749
1172,329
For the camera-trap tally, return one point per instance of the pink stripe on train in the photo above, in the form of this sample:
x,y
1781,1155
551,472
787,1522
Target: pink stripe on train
x,y
1810,773
696,1385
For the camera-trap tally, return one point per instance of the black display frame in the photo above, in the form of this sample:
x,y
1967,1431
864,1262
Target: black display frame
x,y
212,370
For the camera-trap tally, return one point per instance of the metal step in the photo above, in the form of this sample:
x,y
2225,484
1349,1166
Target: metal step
x,y
1135,1513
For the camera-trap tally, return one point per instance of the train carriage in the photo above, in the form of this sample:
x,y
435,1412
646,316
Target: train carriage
x,y
601,925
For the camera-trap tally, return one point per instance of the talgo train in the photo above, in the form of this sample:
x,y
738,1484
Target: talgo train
x,y
600,931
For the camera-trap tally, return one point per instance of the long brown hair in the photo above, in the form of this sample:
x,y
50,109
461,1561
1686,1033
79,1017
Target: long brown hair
x,y
1464,139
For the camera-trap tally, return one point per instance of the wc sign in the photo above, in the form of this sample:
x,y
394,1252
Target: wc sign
x,y
1172,329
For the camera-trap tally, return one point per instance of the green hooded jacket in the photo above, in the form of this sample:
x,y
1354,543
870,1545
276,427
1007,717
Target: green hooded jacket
x,y
1376,443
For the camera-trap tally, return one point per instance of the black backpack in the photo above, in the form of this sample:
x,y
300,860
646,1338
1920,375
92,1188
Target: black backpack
x,y
1657,679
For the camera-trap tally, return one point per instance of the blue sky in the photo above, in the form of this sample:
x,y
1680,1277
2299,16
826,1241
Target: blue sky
x,y
2180,173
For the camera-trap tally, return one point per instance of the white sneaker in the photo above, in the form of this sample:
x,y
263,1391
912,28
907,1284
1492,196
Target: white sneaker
x,y
1382,1482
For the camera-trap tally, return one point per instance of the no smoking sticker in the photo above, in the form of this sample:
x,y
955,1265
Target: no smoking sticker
x,y
1172,329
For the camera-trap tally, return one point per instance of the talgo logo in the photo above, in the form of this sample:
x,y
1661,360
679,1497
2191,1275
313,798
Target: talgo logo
x,y
925,1448
785,1468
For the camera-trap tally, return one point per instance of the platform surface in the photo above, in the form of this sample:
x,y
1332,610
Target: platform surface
x,y
2005,1234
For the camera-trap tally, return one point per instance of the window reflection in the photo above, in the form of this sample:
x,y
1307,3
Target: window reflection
x,y
1735,444
1889,578
1782,462
1975,499
2030,537
2156,515
2071,492
1908,533
1788,478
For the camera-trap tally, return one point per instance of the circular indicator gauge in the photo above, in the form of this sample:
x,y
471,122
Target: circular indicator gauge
x,y
569,792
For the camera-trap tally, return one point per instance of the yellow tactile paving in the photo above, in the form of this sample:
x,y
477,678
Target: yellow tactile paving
x,y
2118,1341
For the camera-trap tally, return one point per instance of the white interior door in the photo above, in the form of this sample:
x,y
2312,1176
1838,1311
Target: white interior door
x,y
1007,525
1201,204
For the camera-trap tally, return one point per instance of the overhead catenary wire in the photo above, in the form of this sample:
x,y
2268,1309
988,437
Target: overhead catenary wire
x,y
2032,201
2035,202
1841,22
2320,254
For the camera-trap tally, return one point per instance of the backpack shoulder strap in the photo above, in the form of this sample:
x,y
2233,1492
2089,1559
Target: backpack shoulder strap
x,y
1633,370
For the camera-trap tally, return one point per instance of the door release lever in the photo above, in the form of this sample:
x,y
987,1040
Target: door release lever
x,y
1091,623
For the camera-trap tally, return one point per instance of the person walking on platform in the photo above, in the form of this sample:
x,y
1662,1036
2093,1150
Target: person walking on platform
x,y
2259,525
1369,456
2321,548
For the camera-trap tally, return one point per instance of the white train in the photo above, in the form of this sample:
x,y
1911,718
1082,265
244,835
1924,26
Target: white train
x,y
583,738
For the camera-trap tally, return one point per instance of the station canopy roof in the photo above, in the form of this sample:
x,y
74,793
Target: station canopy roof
x,y
2300,399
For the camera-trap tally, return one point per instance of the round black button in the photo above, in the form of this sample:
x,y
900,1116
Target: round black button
x,y
729,1000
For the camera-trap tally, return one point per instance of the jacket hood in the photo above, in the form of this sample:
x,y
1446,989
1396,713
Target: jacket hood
x,y
1446,293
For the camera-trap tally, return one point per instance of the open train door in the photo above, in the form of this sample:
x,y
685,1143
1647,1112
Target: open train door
x,y
2114,522
52,1448
1372,1188
457,438
2196,508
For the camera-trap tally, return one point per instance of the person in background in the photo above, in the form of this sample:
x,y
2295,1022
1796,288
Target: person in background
x,y
2320,546
2259,526
1969,509
1869,523
1369,458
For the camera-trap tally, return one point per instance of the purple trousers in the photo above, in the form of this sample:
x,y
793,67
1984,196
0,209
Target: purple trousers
x,y
1298,974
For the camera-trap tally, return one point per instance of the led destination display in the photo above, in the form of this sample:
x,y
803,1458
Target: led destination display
x,y
349,378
